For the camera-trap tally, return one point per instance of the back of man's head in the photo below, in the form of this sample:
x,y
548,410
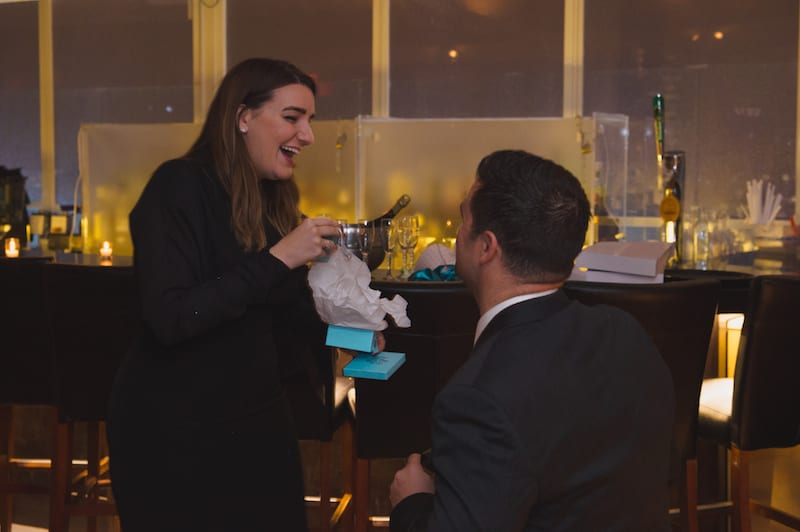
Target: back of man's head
x,y
537,210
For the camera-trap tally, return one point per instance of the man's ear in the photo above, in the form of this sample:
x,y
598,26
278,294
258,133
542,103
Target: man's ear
x,y
489,249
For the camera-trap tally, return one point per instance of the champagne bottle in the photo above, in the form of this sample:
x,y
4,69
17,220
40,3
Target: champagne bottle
x,y
398,206
376,248
670,208
658,134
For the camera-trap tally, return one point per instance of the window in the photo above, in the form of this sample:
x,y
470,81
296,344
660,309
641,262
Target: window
x,y
728,73
476,58
125,61
19,93
330,40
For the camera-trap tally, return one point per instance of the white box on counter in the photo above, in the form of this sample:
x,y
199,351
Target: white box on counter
x,y
635,258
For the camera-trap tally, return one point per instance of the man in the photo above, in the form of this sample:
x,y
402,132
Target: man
x,y
561,419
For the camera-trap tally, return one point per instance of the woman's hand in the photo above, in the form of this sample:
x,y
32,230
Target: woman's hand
x,y
306,242
381,341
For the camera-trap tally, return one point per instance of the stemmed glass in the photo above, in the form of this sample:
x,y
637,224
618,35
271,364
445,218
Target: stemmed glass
x,y
407,237
388,234
351,237
366,237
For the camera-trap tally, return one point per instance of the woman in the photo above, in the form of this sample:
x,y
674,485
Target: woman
x,y
199,430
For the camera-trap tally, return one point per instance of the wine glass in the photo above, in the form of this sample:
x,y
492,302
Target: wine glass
x,y
407,237
351,237
388,235
366,237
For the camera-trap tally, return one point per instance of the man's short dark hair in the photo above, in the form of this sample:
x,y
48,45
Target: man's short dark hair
x,y
536,208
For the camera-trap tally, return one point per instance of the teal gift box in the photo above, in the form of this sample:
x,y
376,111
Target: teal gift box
x,y
380,366
362,340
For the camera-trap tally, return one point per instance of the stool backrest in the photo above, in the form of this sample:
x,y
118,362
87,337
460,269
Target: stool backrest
x,y
766,393
734,287
679,316
394,417
25,359
93,316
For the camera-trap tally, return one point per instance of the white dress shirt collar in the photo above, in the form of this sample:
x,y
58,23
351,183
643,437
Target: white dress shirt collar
x,y
489,315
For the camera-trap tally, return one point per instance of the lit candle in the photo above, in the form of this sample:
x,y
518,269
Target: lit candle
x,y
105,250
12,247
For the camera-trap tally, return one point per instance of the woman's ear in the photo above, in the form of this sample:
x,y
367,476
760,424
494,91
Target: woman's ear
x,y
242,116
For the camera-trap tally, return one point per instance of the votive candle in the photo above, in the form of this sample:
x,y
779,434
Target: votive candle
x,y
105,250
12,247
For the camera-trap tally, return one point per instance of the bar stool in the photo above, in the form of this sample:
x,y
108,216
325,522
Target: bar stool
x,y
393,418
758,407
679,316
93,317
25,372
734,287
317,397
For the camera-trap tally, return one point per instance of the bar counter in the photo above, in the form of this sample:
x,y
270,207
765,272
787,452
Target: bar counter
x,y
393,417
735,271
63,257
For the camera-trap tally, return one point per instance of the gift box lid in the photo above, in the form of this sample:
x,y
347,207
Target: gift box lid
x,y
380,366
635,258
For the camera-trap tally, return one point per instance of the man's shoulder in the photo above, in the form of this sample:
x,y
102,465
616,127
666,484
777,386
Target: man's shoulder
x,y
536,349
567,320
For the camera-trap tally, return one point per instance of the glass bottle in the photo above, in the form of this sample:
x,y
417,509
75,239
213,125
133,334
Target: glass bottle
x,y
702,242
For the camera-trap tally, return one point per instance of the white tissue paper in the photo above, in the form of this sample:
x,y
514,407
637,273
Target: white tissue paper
x,y
435,255
342,295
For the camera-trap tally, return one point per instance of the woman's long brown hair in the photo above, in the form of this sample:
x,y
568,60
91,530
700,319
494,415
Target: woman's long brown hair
x,y
251,83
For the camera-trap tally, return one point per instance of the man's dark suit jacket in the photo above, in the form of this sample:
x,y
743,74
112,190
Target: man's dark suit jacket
x,y
560,420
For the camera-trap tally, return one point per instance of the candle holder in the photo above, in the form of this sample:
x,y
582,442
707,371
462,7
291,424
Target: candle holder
x,y
12,247
106,250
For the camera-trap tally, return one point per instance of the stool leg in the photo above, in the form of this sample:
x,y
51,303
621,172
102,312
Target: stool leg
x,y
6,507
7,439
361,493
689,521
59,477
740,491
93,455
324,486
348,456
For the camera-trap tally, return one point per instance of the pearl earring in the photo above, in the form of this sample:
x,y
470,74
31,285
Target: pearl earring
x,y
242,129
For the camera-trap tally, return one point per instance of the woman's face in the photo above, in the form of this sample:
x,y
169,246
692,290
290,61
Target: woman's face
x,y
276,132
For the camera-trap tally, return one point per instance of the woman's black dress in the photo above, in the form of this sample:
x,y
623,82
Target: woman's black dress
x,y
199,430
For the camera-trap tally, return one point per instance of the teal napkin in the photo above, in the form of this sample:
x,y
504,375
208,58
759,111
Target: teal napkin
x,y
445,272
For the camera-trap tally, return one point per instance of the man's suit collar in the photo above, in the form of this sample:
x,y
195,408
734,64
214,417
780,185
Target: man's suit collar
x,y
531,310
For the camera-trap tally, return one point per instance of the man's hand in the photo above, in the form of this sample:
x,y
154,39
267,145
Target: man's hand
x,y
409,480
